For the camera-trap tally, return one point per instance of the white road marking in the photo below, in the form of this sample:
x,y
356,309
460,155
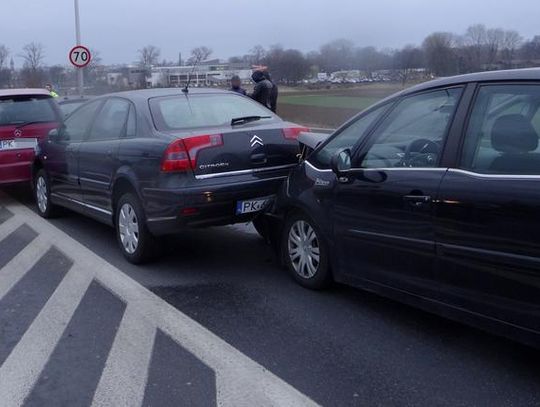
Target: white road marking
x,y
126,372
22,368
9,226
13,271
240,380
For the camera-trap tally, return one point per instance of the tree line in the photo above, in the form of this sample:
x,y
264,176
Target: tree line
x,y
440,54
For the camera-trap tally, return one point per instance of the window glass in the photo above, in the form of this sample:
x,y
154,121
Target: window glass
x,y
182,112
347,138
131,127
17,110
76,125
413,134
502,136
110,123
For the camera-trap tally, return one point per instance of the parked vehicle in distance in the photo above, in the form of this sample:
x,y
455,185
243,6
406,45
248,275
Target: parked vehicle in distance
x,y
157,162
430,197
26,117
69,103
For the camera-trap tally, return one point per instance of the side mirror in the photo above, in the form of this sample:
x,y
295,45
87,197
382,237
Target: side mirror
x,y
341,162
53,135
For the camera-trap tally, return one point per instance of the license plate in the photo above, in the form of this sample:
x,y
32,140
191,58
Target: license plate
x,y
252,205
7,144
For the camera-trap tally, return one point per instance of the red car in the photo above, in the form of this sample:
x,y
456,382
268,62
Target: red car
x,y
26,117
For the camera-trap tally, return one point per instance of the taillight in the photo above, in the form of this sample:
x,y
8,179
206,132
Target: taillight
x,y
181,155
292,133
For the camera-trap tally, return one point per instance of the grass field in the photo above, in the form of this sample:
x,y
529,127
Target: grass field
x,y
329,108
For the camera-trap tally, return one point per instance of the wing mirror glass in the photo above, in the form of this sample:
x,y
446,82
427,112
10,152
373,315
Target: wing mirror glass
x,y
341,162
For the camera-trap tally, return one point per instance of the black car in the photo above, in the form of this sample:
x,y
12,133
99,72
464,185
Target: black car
x,y
430,197
156,162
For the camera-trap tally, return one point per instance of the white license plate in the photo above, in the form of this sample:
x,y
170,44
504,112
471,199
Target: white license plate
x,y
252,205
7,144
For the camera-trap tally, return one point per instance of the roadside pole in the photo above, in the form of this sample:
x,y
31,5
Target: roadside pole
x,y
80,77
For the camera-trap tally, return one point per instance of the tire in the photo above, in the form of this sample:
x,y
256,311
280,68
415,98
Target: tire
x,y
136,242
42,195
262,227
305,252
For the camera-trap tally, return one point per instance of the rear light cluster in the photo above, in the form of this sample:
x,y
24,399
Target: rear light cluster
x,y
293,132
181,155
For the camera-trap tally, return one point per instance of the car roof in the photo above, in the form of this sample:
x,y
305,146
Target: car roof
x,y
164,92
73,99
529,74
24,92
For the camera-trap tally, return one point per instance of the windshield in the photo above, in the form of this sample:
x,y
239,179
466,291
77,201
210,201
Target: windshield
x,y
184,112
17,110
68,108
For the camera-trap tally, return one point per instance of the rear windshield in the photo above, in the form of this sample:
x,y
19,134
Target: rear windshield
x,y
15,110
184,112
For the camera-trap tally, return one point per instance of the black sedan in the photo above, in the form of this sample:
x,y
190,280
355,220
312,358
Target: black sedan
x,y
430,197
157,162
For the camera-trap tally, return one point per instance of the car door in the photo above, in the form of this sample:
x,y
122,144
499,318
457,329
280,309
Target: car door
x,y
98,155
488,214
383,214
61,155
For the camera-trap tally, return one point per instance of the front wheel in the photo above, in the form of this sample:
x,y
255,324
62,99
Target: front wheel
x,y
42,195
306,252
134,239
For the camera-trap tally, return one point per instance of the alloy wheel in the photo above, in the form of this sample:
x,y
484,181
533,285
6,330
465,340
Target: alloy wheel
x,y
128,227
41,194
304,249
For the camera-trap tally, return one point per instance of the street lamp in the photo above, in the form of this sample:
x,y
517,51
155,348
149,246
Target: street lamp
x,y
80,78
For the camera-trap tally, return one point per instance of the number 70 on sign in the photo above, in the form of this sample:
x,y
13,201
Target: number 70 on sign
x,y
80,56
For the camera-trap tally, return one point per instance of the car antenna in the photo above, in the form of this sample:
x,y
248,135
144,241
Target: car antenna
x,y
195,64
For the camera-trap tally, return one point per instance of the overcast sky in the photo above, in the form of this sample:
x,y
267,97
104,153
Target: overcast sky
x,y
118,28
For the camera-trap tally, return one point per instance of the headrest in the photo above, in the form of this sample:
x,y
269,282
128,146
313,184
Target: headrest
x,y
513,133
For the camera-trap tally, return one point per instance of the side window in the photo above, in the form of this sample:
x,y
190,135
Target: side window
x,y
413,134
131,126
347,138
110,123
76,125
502,136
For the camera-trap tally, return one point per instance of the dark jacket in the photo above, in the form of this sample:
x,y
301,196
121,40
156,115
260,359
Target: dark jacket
x,y
239,90
263,88
274,93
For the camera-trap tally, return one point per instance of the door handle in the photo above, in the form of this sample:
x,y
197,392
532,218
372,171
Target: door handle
x,y
417,201
259,158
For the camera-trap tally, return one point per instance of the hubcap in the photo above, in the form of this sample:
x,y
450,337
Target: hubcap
x,y
128,226
304,250
41,194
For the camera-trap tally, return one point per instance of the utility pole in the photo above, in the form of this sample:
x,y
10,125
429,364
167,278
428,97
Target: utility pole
x,y
80,77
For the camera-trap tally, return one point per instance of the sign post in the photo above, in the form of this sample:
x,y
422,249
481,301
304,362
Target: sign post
x,y
80,56
80,77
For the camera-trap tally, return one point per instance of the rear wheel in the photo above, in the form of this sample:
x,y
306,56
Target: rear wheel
x,y
136,242
42,194
305,252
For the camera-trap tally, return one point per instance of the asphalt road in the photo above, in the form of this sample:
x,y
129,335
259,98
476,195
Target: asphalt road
x,y
340,347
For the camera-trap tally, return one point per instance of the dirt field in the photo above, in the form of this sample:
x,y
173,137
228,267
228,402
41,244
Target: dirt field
x,y
329,108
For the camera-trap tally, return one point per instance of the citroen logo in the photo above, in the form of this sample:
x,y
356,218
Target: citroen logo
x,y
256,141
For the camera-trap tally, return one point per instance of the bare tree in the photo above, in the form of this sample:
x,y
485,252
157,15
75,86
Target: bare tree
x,y
257,55
199,54
33,55
511,42
440,53
407,60
149,55
4,54
494,42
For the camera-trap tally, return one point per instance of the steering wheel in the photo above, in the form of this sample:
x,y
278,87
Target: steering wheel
x,y
425,153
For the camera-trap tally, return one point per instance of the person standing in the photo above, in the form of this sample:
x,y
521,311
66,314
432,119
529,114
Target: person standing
x,y
274,93
51,90
263,88
236,85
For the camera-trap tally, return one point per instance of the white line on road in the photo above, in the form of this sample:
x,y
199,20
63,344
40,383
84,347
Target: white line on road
x,y
125,375
22,368
234,370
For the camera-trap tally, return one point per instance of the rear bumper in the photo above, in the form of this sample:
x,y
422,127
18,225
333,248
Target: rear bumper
x,y
171,211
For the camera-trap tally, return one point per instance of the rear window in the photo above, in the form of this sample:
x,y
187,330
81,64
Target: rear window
x,y
68,108
15,110
184,112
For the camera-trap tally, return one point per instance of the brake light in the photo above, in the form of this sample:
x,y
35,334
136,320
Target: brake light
x,y
181,155
292,133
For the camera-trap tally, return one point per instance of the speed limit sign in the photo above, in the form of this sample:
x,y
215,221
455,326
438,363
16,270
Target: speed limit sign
x,y
80,56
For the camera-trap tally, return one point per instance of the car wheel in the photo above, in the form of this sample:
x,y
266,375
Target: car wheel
x,y
306,252
42,195
136,242
262,227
